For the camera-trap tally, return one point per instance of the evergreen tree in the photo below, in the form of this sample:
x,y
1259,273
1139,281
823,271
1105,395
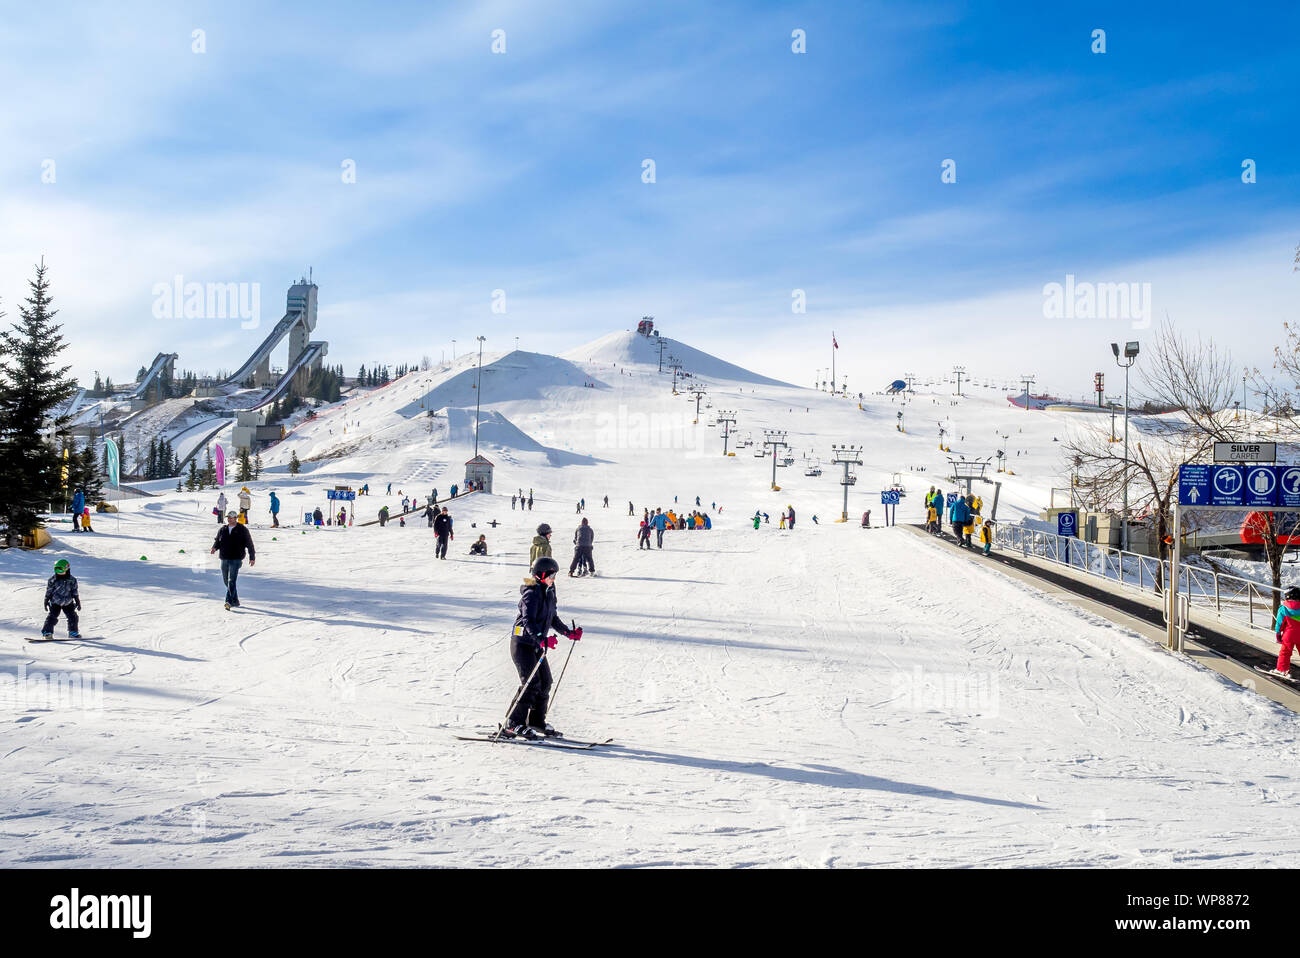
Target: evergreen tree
x,y
209,472
294,465
257,466
108,385
151,464
361,377
32,387
245,470
192,480
89,477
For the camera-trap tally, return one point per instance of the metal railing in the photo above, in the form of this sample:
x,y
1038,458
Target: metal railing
x,y
1233,597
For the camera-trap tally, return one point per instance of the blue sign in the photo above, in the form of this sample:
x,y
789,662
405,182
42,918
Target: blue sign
x,y
1288,482
1193,485
1227,485
1261,486
347,495
952,497
889,497
1067,524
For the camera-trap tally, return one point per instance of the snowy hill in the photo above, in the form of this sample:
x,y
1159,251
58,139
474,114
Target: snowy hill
x,y
629,348
818,697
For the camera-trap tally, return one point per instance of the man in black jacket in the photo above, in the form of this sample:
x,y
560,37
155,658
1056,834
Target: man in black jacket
x,y
232,540
442,529
528,646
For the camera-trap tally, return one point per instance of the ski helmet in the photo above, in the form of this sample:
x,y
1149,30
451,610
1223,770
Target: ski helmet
x,y
544,530
1292,594
544,565
61,567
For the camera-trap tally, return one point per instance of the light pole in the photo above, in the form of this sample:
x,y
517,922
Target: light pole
x,y
1130,353
776,439
478,390
727,418
453,350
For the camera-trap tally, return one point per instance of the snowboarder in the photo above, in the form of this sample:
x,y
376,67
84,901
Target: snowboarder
x,y
541,544
479,548
529,644
275,511
232,540
583,537
220,510
442,529
61,596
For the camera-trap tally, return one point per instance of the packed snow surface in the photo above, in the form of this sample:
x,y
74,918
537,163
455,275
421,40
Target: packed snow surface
x,y
827,696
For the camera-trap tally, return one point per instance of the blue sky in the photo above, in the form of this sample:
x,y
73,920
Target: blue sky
x,y
775,171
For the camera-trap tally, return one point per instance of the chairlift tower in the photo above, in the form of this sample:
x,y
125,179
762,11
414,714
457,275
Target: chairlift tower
x,y
726,419
846,456
699,391
959,371
1028,381
776,439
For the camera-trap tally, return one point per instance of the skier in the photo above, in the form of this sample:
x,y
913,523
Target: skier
x,y
85,520
318,517
454,487
435,497
220,510
479,548
245,503
660,522
697,502
78,503
429,514
61,596
390,489
583,537
986,535
442,529
541,544
630,510
959,515
643,535
1287,631
342,518
790,520
512,503
232,540
607,502
275,511
530,500
406,504
383,516
528,646
756,521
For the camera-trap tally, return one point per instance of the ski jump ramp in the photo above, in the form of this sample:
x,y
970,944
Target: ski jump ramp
x,y
296,325
309,359
163,361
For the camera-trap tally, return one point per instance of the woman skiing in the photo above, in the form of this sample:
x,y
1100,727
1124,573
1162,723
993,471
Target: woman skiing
x,y
528,646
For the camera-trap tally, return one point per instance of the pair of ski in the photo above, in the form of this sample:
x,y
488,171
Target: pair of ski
x,y
565,743
1279,676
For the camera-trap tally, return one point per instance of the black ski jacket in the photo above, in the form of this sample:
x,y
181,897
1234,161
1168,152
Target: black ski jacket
x,y
536,613
442,525
231,541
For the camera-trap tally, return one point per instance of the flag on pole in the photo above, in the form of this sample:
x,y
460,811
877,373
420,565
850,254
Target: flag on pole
x,y
833,342
221,465
111,461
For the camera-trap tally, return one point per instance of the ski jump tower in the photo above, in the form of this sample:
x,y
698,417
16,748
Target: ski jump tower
x,y
298,323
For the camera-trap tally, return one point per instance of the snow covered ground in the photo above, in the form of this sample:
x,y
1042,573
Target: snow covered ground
x,y
825,697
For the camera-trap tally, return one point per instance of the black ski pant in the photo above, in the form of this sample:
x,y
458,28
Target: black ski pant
x,y
659,538
440,551
582,559
531,707
957,532
645,542
69,610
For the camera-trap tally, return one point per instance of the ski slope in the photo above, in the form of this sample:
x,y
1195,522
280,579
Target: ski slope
x,y
824,697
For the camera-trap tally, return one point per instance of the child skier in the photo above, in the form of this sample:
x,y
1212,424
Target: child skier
x,y
528,646
1287,628
479,548
61,596
986,535
643,535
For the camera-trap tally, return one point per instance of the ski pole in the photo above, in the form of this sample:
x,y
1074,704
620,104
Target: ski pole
x,y
520,694
556,690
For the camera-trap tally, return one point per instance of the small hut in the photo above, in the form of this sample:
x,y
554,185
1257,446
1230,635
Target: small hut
x,y
479,469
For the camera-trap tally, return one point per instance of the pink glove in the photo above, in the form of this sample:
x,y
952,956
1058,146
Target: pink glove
x,y
548,642
575,635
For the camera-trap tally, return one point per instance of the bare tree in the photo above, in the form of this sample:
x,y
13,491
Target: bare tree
x,y
1194,376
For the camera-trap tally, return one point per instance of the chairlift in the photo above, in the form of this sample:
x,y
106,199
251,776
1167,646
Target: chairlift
x,y
897,484
813,471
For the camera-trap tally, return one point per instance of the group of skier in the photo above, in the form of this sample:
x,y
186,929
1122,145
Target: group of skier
x,y
964,516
